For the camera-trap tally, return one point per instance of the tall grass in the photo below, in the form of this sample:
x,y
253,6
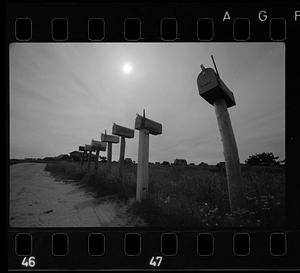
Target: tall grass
x,y
100,182
198,197
188,196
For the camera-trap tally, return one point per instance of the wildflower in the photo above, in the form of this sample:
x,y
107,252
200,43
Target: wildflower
x,y
167,199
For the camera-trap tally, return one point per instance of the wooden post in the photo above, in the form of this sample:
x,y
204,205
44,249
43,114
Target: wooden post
x,y
96,159
82,149
215,92
123,132
110,139
146,127
121,160
109,152
97,146
232,161
143,168
82,159
89,159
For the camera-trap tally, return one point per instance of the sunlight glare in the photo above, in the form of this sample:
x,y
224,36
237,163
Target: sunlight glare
x,y
127,68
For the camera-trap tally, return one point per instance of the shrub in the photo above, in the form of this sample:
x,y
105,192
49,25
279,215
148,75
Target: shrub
x,y
262,159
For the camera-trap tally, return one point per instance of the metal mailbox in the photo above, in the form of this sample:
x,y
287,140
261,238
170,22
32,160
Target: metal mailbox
x,y
82,148
98,145
153,127
122,131
109,138
87,147
211,87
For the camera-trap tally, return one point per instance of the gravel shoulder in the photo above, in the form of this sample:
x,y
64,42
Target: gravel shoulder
x,y
38,200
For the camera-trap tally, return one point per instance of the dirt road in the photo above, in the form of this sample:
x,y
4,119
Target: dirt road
x,y
37,200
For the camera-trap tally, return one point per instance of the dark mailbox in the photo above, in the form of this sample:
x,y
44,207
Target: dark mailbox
x,y
211,87
153,127
81,148
122,131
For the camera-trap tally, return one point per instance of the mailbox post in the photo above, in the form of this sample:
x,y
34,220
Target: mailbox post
x,y
82,149
97,146
88,149
215,92
110,139
123,132
146,127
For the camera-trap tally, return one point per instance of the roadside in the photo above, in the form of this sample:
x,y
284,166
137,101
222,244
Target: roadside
x,y
37,199
184,196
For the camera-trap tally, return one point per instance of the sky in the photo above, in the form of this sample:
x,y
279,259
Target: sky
x,y
62,95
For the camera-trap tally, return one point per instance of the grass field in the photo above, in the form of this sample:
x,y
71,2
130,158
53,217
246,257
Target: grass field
x,y
187,196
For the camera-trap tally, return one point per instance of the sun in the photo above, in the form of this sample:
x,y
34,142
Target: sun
x,y
127,68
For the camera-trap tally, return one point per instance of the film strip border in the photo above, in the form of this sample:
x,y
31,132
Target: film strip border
x,y
96,29
146,250
150,22
158,23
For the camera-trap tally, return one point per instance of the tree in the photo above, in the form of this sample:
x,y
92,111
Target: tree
x,y
128,161
203,164
262,159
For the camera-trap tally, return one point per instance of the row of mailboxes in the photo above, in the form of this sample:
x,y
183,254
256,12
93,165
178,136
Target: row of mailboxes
x,y
211,88
141,122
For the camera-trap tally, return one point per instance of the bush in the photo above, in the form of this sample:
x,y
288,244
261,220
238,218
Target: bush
x,y
263,159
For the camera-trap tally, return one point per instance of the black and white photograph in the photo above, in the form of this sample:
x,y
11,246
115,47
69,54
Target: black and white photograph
x,y
165,135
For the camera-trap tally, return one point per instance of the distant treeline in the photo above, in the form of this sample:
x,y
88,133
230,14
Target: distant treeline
x,y
16,161
262,159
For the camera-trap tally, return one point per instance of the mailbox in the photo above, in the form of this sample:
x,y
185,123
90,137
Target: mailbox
x,y
122,131
98,145
153,127
211,88
109,138
81,148
87,147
